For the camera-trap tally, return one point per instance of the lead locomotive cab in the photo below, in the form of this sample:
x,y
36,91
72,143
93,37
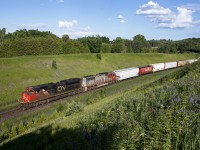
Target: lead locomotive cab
x,y
34,93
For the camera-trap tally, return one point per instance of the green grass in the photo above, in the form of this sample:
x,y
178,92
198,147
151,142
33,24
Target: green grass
x,y
20,72
89,102
155,111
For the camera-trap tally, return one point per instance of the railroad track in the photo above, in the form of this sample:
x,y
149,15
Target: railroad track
x,y
10,113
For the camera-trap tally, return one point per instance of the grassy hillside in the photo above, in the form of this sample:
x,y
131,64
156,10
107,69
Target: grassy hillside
x,y
20,72
151,112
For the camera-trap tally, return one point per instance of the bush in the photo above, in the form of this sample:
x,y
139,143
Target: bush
x,y
54,65
98,56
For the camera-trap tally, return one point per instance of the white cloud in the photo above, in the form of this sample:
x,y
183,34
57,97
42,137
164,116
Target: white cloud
x,y
67,24
121,18
165,17
82,33
35,26
152,8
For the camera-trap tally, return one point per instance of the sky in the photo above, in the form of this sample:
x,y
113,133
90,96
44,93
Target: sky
x,y
155,19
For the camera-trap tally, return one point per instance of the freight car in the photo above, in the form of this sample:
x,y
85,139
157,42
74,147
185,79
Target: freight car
x,y
170,65
126,73
36,94
181,63
145,70
158,67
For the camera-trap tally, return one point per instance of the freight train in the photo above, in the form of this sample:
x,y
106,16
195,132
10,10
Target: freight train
x,y
39,94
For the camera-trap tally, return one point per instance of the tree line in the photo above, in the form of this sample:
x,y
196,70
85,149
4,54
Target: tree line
x,y
34,42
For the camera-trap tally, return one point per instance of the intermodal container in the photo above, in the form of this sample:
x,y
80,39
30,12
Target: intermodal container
x,y
181,63
190,61
158,67
126,73
170,65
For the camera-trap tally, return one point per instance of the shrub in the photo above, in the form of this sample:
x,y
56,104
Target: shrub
x,y
54,65
98,56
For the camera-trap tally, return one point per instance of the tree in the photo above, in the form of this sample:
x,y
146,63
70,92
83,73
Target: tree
x,y
106,48
65,38
2,34
118,46
167,47
74,46
140,44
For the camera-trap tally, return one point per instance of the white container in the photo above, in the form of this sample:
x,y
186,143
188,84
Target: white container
x,y
126,73
169,65
190,61
158,67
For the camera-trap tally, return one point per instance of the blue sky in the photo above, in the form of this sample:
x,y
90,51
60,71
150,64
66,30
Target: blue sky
x,y
156,19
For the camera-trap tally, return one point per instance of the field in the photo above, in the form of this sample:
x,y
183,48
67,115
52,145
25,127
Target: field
x,y
155,111
20,72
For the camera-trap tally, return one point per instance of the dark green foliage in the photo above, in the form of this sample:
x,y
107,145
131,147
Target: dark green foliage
x,y
106,48
118,46
73,108
74,46
33,42
140,44
167,47
60,108
93,43
98,56
54,65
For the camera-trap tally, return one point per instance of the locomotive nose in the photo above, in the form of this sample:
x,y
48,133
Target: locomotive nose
x,y
24,97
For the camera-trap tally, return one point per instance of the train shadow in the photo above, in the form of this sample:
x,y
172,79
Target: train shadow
x,y
62,138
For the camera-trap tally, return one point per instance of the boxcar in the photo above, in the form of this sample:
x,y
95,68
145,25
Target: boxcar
x,y
190,61
170,65
181,63
145,70
126,73
158,67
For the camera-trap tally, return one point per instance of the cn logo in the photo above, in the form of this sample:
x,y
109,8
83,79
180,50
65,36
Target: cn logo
x,y
61,88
